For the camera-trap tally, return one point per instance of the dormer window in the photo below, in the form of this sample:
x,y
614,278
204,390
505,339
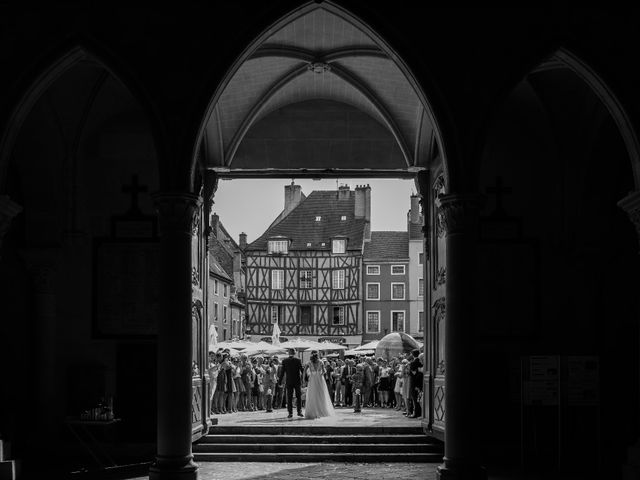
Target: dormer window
x,y
308,244
278,246
343,218
339,245
318,218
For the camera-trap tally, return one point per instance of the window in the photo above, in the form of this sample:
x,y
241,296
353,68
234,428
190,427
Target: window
x,y
308,244
224,334
224,314
397,269
373,291
215,311
420,321
421,258
338,280
338,316
397,291
278,246
318,218
275,313
343,218
397,321
306,315
322,244
373,269
215,287
373,322
420,287
225,291
338,245
277,279
306,278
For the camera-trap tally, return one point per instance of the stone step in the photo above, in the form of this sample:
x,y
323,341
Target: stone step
x,y
320,457
270,438
315,448
313,430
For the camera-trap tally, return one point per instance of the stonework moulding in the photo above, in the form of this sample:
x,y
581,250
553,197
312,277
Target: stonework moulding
x,y
631,205
460,212
177,212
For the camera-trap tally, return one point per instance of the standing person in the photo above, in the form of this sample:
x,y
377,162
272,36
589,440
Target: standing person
x,y
338,382
278,397
399,386
292,368
347,371
384,383
318,399
416,378
367,386
213,369
328,377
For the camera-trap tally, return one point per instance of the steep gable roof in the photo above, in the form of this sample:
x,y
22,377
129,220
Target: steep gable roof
x,y
216,269
300,225
387,245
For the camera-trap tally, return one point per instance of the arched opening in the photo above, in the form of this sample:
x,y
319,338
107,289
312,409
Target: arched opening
x,y
318,95
80,159
552,237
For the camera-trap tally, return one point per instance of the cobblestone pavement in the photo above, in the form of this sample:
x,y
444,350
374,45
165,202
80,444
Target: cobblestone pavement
x,y
315,471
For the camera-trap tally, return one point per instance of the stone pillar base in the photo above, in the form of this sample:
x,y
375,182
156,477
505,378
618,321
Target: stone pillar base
x,y
461,472
174,468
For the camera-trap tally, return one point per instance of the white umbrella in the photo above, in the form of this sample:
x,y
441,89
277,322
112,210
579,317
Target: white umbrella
x,y
329,346
299,344
275,335
263,347
237,344
359,352
368,346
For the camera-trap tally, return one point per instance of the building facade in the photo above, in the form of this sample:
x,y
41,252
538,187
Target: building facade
x,y
219,297
304,272
416,271
386,285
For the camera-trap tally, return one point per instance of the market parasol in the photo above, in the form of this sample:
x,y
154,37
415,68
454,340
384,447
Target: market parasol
x,y
394,344
368,346
299,344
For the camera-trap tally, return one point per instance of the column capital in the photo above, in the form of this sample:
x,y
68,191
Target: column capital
x,y
177,211
459,213
631,205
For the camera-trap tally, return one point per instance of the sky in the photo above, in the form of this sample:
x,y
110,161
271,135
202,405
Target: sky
x,y
250,206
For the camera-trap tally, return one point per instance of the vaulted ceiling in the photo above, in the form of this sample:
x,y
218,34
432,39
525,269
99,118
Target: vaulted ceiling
x,y
321,76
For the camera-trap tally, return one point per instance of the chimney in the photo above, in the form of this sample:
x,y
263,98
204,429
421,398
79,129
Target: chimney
x,y
292,197
415,210
214,224
363,202
343,192
362,208
243,241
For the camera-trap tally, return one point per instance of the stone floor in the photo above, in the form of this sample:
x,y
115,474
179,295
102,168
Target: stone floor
x,y
344,417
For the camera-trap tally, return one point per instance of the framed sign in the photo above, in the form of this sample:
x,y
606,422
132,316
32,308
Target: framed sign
x,y
126,287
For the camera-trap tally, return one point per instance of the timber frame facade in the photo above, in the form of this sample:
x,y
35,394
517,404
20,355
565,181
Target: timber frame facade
x,y
308,303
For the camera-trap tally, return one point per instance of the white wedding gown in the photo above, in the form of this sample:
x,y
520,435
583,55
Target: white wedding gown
x,y
318,400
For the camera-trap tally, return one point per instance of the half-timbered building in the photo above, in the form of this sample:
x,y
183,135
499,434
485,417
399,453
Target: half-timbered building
x,y
304,272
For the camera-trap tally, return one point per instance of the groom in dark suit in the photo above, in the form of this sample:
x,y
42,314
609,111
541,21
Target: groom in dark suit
x,y
292,368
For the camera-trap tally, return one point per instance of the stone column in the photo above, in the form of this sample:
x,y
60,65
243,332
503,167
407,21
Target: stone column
x,y
631,205
460,220
8,210
174,460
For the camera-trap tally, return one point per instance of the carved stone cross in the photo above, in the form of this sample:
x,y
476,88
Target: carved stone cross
x,y
134,189
498,190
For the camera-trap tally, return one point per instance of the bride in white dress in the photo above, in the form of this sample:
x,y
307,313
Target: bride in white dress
x,y
318,399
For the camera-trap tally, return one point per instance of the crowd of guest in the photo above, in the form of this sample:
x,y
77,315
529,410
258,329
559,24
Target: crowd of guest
x,y
240,383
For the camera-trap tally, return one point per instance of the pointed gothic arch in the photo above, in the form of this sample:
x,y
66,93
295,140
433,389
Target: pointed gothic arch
x,y
45,75
297,58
